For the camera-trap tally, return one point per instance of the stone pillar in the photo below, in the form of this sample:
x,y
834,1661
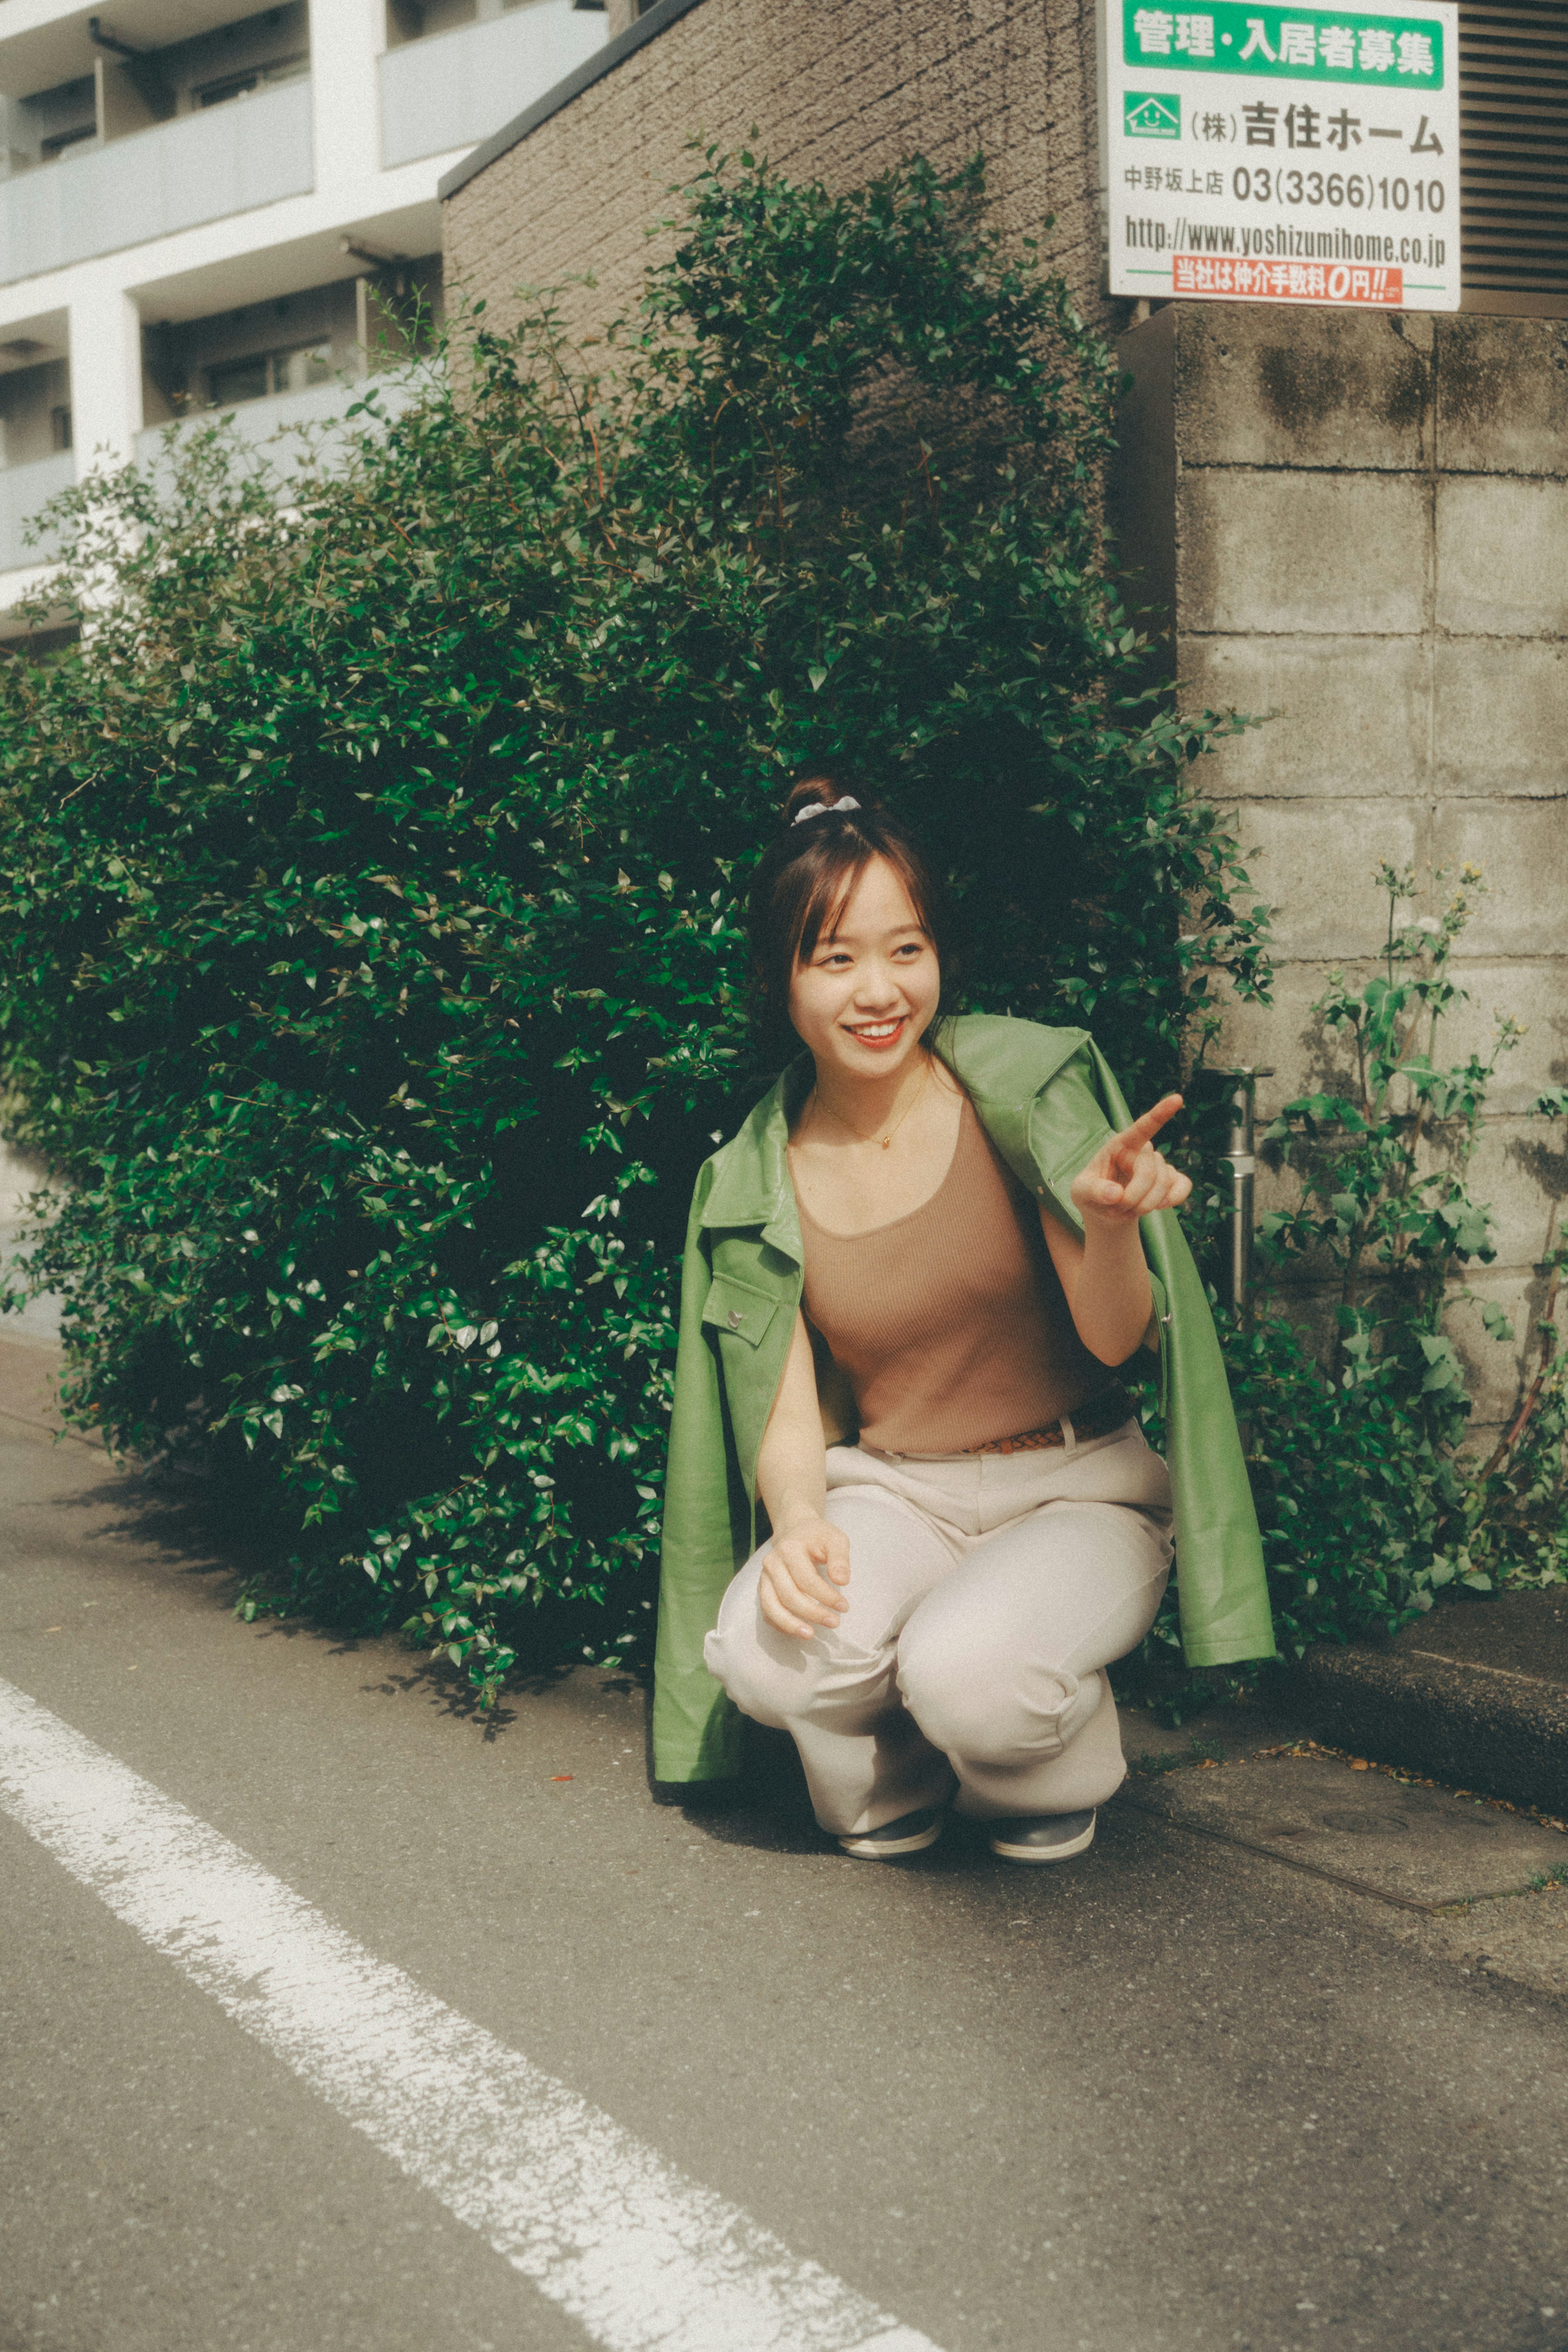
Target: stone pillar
x,y
1359,523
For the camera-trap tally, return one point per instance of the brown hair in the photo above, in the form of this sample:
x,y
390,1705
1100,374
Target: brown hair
x,y
800,887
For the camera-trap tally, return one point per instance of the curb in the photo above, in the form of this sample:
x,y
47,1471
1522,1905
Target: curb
x,y
1478,1728
29,1399
52,1430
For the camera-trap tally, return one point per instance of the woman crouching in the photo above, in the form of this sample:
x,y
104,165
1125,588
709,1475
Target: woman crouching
x,y
910,1281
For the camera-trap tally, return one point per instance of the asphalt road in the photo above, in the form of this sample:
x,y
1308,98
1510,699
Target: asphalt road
x,y
1175,2098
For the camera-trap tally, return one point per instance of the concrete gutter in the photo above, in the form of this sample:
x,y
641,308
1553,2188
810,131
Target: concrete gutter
x,y
1487,1728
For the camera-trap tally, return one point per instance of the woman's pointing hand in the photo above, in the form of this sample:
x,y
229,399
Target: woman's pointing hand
x,y
1127,1178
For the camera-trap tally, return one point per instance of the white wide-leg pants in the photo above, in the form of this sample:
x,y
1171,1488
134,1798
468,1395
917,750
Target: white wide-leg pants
x,y
986,1593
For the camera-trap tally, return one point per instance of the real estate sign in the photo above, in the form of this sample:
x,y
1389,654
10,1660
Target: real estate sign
x,y
1263,154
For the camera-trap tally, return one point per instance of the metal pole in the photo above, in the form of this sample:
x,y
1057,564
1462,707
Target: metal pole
x,y
1239,1157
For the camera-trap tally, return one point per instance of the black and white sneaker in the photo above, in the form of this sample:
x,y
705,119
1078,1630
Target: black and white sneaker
x,y
1043,1837
910,1833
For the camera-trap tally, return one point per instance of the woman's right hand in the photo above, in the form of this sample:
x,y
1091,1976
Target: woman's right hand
x,y
801,1576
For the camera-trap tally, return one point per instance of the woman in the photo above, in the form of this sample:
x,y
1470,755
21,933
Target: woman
x,y
931,1233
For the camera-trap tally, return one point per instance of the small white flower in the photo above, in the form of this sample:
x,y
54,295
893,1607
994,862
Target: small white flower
x,y
1429,923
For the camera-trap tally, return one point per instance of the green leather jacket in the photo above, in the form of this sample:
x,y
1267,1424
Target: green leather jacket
x,y
1047,1099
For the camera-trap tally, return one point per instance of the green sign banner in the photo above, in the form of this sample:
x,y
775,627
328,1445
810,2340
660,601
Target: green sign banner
x,y
1298,44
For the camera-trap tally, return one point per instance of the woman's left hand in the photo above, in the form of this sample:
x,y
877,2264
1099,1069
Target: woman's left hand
x,y
1127,1178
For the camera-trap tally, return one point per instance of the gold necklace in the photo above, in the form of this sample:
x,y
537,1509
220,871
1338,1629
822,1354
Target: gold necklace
x,y
898,1122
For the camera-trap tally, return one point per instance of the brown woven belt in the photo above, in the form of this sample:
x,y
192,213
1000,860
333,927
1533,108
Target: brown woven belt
x,y
1098,1418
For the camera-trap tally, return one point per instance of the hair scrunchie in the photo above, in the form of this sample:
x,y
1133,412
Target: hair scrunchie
x,y
823,808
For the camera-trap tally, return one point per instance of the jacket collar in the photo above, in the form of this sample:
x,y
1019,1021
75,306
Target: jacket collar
x,y
995,1058
751,1184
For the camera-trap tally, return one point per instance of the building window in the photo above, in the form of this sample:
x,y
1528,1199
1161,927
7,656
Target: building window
x,y
416,20
58,140
1513,156
264,374
252,78
60,428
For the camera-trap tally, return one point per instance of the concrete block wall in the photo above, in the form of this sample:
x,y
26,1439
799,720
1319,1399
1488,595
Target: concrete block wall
x,y
1359,524
836,94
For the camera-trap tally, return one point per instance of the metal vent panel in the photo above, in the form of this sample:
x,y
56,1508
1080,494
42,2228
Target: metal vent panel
x,y
1513,150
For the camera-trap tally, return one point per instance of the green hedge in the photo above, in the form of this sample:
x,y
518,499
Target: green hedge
x,y
369,949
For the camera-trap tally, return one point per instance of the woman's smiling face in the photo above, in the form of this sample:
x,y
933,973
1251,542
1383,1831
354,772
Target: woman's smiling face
x,y
866,995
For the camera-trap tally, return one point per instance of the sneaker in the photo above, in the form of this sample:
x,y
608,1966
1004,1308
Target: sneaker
x,y
910,1833
1043,1837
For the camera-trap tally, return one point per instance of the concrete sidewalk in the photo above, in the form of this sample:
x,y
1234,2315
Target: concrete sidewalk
x,y
1476,1693
1240,2077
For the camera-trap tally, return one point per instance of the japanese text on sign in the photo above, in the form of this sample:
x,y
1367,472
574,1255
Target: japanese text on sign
x,y
1329,46
1265,153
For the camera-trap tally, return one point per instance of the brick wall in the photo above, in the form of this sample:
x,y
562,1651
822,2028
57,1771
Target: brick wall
x,y
836,92
1361,524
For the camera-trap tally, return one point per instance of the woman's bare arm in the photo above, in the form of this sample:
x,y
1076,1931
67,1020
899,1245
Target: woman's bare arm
x,y
1104,1276
1107,1289
808,1560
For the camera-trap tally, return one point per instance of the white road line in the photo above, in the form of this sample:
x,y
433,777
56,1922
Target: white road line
x,y
647,2261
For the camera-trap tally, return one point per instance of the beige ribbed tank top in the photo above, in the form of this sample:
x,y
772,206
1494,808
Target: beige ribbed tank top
x,y
951,1323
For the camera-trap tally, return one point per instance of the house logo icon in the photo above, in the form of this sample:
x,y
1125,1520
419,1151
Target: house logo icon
x,y
1145,116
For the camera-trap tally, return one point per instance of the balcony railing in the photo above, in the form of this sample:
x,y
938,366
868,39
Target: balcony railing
x,y
23,490
200,167
26,489
258,421
454,88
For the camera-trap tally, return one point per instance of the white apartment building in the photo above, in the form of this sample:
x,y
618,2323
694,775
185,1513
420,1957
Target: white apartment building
x,y
201,199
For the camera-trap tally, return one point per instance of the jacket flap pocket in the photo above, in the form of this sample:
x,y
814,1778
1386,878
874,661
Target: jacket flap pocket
x,y
740,1308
